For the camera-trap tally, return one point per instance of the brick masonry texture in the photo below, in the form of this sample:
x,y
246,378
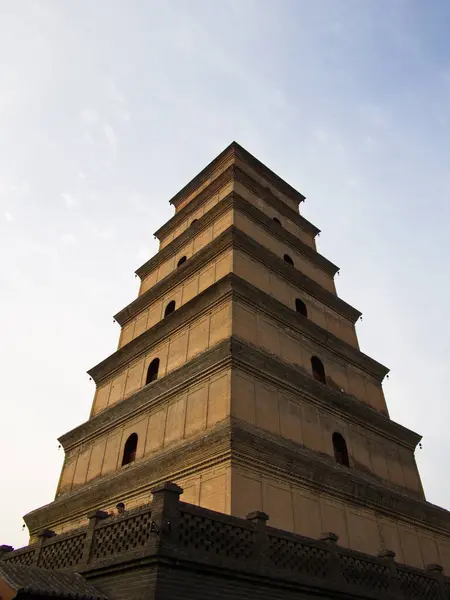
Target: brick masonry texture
x,y
259,372
171,549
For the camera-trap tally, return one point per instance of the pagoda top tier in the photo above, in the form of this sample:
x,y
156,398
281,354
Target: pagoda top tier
x,y
236,155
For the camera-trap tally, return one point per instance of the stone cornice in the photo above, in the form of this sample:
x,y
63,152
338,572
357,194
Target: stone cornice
x,y
232,201
194,371
245,445
281,233
234,150
189,311
258,362
272,455
174,246
268,174
234,352
188,268
202,197
287,316
205,174
296,277
236,202
234,173
167,326
208,449
265,194
244,242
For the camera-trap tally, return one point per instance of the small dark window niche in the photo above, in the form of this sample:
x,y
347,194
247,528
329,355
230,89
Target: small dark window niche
x,y
152,371
300,307
340,449
169,308
318,370
129,451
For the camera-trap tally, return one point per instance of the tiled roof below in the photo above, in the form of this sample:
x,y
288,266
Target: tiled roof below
x,y
43,582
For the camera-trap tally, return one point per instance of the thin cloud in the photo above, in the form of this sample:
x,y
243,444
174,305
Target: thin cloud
x,y
9,217
68,239
111,136
89,116
103,233
70,201
143,254
113,91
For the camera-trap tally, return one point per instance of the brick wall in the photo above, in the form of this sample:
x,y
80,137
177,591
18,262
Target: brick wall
x,y
172,549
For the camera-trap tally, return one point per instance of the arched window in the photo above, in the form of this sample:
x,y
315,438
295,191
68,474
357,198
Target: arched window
x,y
169,308
340,449
152,371
300,307
181,261
193,221
318,370
288,259
129,451
277,221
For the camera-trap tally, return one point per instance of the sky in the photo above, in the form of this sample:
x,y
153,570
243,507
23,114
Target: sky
x,y
108,108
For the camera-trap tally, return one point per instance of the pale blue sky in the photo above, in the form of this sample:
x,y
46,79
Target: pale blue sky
x,y
107,108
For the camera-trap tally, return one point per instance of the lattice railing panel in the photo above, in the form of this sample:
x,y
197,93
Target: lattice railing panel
x,y
414,585
447,590
26,558
122,536
203,533
298,557
62,554
365,573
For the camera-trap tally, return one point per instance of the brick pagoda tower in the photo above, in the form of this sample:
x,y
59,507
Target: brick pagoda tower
x,y
238,376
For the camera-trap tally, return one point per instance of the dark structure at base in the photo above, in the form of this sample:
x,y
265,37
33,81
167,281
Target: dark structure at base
x,y
171,549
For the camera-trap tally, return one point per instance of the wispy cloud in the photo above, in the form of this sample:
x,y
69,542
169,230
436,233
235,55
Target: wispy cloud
x,y
70,201
100,232
143,254
9,189
89,116
111,136
8,216
68,239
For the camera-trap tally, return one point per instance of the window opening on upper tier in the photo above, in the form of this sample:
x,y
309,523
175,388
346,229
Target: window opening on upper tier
x,y
318,370
288,259
181,261
129,451
169,308
152,371
340,449
300,307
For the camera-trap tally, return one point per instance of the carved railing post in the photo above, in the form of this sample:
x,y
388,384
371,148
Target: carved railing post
x,y
331,540
165,513
259,520
94,517
388,557
42,537
4,549
438,572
